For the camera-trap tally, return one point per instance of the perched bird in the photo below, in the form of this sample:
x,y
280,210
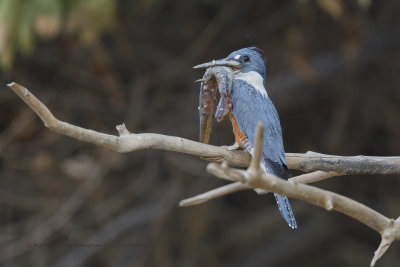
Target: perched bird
x,y
248,103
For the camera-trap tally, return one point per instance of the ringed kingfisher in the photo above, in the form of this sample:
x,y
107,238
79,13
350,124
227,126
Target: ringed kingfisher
x,y
246,102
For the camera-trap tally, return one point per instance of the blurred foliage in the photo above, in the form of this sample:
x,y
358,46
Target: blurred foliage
x,y
22,23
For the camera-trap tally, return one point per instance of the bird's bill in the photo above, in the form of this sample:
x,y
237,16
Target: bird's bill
x,y
220,62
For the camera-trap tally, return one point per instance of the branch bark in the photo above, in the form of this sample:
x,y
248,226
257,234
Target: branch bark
x,y
127,142
238,186
255,177
323,167
312,161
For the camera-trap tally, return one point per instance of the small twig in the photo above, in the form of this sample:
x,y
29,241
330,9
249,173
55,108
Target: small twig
x,y
217,192
313,177
389,234
122,130
255,162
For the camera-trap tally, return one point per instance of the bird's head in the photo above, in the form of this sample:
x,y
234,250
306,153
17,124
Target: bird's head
x,y
241,61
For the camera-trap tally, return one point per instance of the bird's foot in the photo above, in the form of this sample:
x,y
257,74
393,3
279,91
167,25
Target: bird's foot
x,y
261,191
231,148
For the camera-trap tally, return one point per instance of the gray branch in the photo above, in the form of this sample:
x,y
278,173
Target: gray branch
x,y
127,142
323,167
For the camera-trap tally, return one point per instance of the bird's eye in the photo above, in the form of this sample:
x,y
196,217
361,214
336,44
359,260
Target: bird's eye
x,y
246,59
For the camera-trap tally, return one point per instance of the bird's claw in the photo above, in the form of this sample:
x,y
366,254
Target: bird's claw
x,y
231,148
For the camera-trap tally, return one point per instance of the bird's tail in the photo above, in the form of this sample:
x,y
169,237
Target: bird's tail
x,y
286,210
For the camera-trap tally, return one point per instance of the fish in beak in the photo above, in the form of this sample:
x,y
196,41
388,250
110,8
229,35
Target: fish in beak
x,y
216,78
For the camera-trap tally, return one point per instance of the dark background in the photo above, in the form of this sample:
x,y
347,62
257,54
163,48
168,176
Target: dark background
x,y
333,74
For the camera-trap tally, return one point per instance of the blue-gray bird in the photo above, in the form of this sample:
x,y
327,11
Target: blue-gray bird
x,y
248,104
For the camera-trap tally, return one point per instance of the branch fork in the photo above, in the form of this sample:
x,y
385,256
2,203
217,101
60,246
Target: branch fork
x,y
320,167
256,178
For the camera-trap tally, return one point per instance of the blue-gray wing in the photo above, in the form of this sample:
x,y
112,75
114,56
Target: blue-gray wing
x,y
250,106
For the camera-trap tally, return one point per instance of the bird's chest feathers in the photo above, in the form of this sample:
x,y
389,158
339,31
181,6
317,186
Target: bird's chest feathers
x,y
254,79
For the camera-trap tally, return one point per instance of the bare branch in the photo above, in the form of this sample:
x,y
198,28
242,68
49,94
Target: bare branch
x,y
313,177
129,142
258,148
254,171
324,166
310,161
234,187
388,228
391,233
222,170
316,196
217,192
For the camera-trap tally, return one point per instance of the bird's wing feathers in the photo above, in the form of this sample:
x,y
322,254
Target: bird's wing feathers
x,y
249,107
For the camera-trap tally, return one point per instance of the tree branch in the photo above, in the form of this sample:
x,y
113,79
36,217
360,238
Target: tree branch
x,y
218,171
312,161
388,228
313,177
324,166
217,192
127,142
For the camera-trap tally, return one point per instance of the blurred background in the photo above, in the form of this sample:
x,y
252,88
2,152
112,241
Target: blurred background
x,y
333,74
